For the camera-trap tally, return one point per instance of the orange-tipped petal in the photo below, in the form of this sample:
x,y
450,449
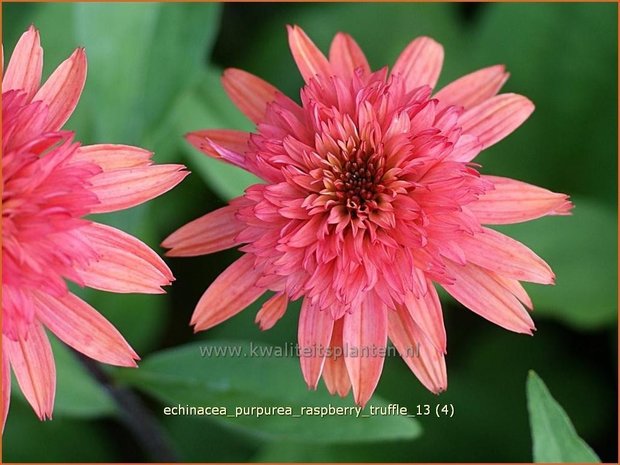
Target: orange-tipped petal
x,y
473,88
125,264
314,333
420,63
231,292
110,157
496,117
250,93
505,256
123,188
227,145
271,311
477,290
364,338
235,141
61,92
210,233
335,372
310,60
6,384
26,64
420,355
346,56
513,201
426,313
33,364
82,327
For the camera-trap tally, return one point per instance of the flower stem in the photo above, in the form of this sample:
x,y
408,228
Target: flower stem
x,y
142,424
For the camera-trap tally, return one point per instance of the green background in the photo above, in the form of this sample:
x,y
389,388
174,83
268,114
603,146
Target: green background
x,y
154,75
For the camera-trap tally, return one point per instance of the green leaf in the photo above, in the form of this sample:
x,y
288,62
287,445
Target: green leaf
x,y
117,38
141,57
182,376
553,435
582,251
77,393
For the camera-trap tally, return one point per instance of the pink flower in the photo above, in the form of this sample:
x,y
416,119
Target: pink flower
x,y
50,182
369,197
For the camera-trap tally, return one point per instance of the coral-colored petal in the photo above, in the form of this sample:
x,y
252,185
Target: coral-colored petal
x,y
250,93
210,233
364,339
314,333
420,63
420,355
496,117
271,311
82,327
346,56
310,60
505,256
111,157
515,202
26,64
125,264
33,364
335,372
61,92
231,140
426,312
6,384
473,88
123,188
477,290
231,292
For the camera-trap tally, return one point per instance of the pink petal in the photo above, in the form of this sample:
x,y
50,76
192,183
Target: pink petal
x,y
6,383
271,311
420,355
61,92
231,292
314,333
515,288
111,157
234,141
250,93
82,327
477,290
515,202
364,339
496,117
26,64
426,313
420,63
310,60
33,364
123,188
473,88
335,372
125,264
210,233
505,256
345,56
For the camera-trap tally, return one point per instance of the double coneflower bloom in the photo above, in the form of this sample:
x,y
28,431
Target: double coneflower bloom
x,y
50,182
369,198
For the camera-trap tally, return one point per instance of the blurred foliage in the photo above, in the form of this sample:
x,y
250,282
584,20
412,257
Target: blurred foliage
x,y
153,76
183,376
553,434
